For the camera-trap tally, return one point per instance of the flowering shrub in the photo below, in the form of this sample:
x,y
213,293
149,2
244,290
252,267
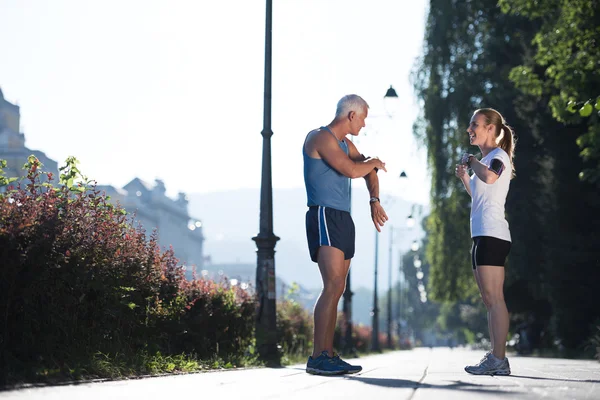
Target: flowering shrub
x,y
218,319
295,327
595,343
78,279
361,336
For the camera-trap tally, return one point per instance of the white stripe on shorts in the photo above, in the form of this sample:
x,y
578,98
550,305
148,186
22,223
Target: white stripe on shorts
x,y
323,221
319,223
326,229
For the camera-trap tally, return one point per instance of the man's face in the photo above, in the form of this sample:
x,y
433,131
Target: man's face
x,y
357,121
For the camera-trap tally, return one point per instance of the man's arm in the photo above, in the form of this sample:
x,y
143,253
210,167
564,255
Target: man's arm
x,y
347,165
377,212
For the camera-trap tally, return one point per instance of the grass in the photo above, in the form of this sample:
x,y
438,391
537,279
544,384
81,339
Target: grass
x,y
123,366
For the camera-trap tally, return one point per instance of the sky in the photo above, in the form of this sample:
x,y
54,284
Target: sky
x,y
174,89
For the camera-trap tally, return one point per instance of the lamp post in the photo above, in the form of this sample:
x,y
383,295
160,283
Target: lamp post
x,y
375,312
414,247
266,327
348,343
400,283
390,341
390,101
409,224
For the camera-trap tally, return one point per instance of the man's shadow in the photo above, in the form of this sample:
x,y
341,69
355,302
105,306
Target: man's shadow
x,y
404,383
541,378
456,385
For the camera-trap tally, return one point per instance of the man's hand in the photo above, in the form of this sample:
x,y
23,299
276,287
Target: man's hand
x,y
378,215
377,163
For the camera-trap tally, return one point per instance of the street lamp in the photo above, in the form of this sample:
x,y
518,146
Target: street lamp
x,y
375,312
390,101
390,341
347,341
414,248
389,98
266,326
389,304
415,245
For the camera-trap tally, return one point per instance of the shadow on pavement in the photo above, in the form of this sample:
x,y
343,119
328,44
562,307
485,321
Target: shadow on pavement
x,y
541,378
403,383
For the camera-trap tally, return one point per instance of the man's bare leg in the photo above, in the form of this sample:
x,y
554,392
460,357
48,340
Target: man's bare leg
x,y
333,269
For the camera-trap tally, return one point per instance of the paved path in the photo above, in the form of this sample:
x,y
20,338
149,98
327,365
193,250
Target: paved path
x,y
410,375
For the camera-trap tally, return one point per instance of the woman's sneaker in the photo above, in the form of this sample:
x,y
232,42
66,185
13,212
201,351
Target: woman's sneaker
x,y
324,365
350,369
490,365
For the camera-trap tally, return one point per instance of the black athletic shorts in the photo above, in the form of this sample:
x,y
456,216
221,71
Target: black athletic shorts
x,y
489,250
329,227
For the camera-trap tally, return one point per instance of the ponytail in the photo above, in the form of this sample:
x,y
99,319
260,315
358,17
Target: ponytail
x,y
504,132
507,143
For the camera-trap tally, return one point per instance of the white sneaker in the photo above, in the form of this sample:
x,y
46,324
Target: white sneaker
x,y
490,365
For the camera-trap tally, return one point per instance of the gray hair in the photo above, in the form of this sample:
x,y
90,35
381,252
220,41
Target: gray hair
x,y
350,102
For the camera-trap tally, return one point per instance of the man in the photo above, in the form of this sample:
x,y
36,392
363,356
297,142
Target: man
x,y
330,161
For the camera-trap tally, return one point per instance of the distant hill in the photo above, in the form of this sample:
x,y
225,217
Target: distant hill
x,y
230,220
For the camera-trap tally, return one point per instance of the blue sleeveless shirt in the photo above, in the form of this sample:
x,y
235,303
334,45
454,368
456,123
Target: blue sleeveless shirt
x,y
324,185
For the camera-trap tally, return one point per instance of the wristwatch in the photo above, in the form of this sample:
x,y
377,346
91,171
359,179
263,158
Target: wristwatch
x,y
469,160
373,199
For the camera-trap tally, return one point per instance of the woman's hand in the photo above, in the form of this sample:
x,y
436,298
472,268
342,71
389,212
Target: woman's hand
x,y
461,171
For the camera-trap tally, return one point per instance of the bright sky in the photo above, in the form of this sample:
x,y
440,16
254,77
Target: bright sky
x,y
174,89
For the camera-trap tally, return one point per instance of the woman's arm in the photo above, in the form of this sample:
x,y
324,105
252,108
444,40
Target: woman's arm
x,y
461,172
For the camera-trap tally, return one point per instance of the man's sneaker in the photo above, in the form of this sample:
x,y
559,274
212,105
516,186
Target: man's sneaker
x,y
350,369
324,365
490,365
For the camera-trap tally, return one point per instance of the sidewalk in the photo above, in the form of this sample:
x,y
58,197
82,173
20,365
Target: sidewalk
x,y
416,374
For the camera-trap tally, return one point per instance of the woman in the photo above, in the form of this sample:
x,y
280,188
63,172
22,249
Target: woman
x,y
488,187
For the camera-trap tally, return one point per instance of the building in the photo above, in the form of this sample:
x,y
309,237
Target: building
x,y
244,274
12,142
153,209
149,204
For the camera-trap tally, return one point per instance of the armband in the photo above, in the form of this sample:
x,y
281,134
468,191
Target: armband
x,y
496,166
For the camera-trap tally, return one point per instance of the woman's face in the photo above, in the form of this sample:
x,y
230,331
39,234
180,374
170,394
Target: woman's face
x,y
478,130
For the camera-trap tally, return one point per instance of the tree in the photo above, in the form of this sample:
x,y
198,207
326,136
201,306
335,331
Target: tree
x,y
470,54
565,67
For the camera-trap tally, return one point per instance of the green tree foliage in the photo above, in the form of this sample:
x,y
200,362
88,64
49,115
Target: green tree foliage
x,y
565,67
470,53
467,55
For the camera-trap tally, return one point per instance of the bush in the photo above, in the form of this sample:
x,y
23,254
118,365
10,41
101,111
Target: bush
x,y
78,279
295,328
218,320
595,343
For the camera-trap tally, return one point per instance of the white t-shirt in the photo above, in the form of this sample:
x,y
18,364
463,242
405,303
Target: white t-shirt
x,y
487,209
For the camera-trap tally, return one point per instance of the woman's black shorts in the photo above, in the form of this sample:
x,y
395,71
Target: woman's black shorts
x,y
489,250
